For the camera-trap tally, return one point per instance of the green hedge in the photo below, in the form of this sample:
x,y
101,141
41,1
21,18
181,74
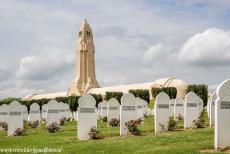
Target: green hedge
x,y
142,93
116,95
98,98
171,91
201,90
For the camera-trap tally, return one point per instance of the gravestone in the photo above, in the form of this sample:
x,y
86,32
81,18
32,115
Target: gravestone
x,y
179,108
15,118
4,109
25,112
171,107
145,107
222,114
139,103
208,106
87,117
67,111
162,113
35,112
212,109
44,111
191,109
113,111
62,110
53,113
99,110
128,111
104,106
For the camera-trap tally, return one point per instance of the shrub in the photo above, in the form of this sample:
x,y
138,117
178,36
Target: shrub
x,y
141,93
114,122
132,127
116,95
104,119
73,103
62,121
162,126
93,133
180,117
53,128
171,124
201,90
98,98
171,91
62,99
19,132
200,122
4,125
33,124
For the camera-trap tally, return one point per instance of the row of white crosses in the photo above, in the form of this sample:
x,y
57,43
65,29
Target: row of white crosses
x,y
190,110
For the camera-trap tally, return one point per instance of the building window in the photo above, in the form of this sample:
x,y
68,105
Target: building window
x,y
80,33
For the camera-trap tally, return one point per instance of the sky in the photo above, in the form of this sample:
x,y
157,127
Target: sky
x,y
135,41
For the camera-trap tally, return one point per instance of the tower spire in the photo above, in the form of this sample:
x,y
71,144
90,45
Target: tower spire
x,y
85,65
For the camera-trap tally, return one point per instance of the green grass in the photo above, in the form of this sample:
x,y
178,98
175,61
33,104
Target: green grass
x,y
180,141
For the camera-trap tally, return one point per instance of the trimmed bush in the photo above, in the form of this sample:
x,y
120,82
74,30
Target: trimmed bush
x,y
201,90
98,98
141,93
104,119
73,103
171,91
116,95
62,99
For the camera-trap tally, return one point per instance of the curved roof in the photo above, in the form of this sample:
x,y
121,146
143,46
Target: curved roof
x,y
180,85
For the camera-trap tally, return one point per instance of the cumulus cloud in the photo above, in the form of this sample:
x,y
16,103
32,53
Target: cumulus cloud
x,y
211,47
45,64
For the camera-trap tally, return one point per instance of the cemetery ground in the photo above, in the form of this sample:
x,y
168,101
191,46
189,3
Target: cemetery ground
x,y
177,141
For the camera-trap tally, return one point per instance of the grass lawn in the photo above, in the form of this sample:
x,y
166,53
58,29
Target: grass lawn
x,y
180,141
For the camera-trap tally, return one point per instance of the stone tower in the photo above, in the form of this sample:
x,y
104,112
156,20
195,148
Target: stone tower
x,y
85,65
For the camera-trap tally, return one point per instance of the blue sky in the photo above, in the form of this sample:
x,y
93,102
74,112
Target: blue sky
x,y
135,41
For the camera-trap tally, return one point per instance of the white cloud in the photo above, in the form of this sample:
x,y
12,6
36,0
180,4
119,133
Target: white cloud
x,y
211,47
45,64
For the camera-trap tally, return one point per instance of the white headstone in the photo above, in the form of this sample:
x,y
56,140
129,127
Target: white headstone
x,y
222,114
87,117
162,113
99,108
62,109
4,109
67,111
35,112
208,106
44,111
25,112
53,113
145,107
179,107
104,106
113,111
171,107
212,109
128,111
15,119
191,109
139,103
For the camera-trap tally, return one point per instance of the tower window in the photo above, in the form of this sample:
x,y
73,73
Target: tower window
x,y
88,33
80,33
